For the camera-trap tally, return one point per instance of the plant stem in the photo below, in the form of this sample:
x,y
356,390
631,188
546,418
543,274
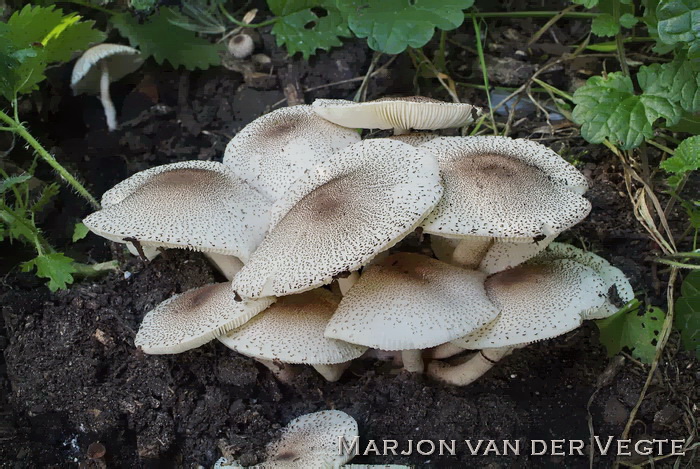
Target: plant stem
x,y
619,41
484,72
68,177
233,20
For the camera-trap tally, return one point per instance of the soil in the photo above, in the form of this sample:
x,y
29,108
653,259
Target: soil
x,y
71,375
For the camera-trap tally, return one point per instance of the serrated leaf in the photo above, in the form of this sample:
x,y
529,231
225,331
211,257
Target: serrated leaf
x,y
628,20
306,25
685,158
676,81
629,329
47,193
687,313
605,25
157,37
80,231
8,183
586,3
606,107
679,22
392,25
56,267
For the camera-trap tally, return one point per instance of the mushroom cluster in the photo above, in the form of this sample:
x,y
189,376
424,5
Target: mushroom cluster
x,y
306,219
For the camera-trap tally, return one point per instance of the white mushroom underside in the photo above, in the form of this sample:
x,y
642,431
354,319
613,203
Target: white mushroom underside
x,y
121,60
193,318
291,331
339,215
198,205
409,301
274,150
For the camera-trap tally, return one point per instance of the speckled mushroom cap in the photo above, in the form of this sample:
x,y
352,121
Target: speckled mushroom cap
x,y
412,112
121,60
291,331
339,215
504,254
415,139
193,318
504,188
311,441
200,205
409,301
617,286
274,150
537,302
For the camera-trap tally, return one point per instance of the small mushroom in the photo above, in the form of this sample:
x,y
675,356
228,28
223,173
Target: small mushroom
x,y
193,318
241,45
410,302
291,332
340,214
401,114
312,441
98,67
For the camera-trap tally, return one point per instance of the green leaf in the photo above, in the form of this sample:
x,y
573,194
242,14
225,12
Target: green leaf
x,y
157,37
628,20
676,81
56,267
629,329
392,25
687,314
8,183
80,231
586,3
47,193
306,25
605,25
679,22
606,107
686,157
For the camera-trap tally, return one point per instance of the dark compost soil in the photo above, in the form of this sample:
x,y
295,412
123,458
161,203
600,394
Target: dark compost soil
x,y
71,375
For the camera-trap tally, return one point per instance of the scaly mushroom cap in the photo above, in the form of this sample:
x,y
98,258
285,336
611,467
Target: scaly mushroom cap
x,y
412,112
193,318
311,441
537,302
200,205
410,301
274,150
505,254
339,215
617,286
121,61
415,139
504,188
291,331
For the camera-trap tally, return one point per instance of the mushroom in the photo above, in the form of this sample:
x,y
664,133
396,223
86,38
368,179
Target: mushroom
x,y
537,301
410,302
339,215
400,114
241,45
516,191
312,440
199,205
415,139
291,332
193,318
98,67
274,150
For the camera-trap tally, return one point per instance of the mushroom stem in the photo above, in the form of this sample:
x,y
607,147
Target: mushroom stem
x,y
332,373
445,351
227,265
110,112
400,131
412,361
470,251
346,283
284,373
471,370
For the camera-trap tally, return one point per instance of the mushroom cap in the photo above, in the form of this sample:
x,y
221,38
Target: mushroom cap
x,y
291,331
121,60
537,302
274,150
241,45
505,254
410,301
339,215
193,318
200,205
415,139
504,188
412,112
312,441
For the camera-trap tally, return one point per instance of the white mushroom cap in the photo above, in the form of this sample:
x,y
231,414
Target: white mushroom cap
x,y
291,331
500,187
121,61
274,150
537,302
505,254
404,113
410,301
611,275
193,318
339,215
241,45
311,441
199,205
415,139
